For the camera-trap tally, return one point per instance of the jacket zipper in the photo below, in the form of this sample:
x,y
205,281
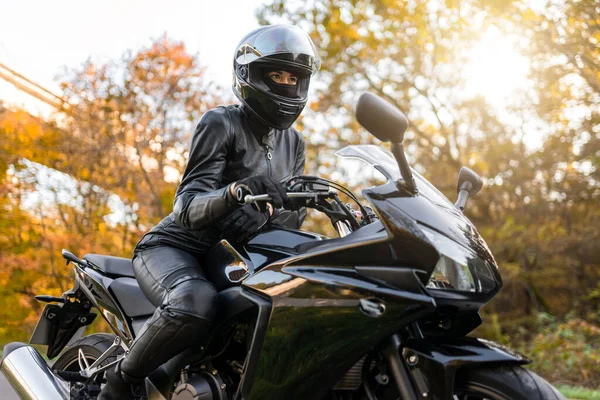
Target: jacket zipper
x,y
269,156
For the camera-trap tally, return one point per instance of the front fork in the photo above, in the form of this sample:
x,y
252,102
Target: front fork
x,y
398,369
426,368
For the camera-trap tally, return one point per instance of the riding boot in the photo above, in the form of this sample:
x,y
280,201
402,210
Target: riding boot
x,y
119,386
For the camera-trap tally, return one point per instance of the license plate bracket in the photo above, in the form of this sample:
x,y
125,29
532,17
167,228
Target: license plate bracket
x,y
58,324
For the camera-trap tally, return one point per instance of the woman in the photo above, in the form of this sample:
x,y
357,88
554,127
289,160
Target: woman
x,y
248,144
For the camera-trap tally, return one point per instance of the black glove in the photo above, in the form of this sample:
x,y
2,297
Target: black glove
x,y
243,222
263,184
295,203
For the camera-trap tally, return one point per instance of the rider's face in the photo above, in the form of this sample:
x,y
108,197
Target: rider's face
x,y
283,77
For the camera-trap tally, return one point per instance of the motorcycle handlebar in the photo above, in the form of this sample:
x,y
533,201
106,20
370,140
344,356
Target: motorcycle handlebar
x,y
292,195
244,195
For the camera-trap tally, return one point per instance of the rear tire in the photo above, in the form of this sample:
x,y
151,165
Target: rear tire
x,y
92,347
503,381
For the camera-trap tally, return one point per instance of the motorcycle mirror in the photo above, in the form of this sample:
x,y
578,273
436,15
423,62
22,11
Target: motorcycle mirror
x,y
388,124
469,180
384,121
469,184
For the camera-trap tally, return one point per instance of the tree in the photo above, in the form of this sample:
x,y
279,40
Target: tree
x,y
535,208
133,120
95,178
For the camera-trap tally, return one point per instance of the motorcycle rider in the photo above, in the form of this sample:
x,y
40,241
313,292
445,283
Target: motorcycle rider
x,y
250,144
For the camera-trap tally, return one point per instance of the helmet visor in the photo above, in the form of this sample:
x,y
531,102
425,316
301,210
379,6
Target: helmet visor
x,y
288,43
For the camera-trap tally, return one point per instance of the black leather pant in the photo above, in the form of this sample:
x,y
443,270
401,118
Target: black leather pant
x,y
173,280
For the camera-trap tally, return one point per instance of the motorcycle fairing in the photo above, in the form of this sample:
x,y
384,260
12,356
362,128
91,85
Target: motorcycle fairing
x,y
402,214
438,362
317,292
95,286
428,206
316,313
317,331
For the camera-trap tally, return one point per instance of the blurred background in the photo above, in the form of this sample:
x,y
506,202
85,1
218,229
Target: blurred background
x,y
98,103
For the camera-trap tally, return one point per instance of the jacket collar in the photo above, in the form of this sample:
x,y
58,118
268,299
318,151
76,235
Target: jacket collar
x,y
264,134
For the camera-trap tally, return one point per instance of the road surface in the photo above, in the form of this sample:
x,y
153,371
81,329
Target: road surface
x,y
6,391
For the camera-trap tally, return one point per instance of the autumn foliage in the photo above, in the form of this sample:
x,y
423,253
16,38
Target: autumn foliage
x,y
94,178
540,207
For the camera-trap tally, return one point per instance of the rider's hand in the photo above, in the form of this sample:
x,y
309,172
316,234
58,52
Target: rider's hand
x,y
243,222
263,184
295,203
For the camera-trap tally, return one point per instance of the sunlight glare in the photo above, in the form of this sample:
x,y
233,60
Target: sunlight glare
x,y
495,69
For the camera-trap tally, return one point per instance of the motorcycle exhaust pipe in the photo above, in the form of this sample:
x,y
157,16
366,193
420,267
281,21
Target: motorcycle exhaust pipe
x,y
30,376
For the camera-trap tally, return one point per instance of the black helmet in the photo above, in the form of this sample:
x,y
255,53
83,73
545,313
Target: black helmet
x,y
269,48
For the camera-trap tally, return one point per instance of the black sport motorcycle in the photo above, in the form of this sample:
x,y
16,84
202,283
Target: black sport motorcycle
x,y
382,312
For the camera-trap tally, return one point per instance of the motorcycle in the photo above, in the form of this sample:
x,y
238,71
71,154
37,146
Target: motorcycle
x,y
381,312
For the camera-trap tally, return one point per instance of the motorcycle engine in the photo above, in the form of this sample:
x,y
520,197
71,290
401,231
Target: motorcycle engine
x,y
201,386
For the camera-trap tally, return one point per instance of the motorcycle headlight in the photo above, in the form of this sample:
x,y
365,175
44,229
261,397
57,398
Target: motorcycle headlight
x,y
458,267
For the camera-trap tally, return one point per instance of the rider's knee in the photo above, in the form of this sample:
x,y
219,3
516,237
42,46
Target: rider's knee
x,y
193,297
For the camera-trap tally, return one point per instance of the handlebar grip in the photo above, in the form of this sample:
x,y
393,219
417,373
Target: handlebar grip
x,y
241,192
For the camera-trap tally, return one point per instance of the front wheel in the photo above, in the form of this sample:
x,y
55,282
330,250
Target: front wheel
x,y
482,382
503,382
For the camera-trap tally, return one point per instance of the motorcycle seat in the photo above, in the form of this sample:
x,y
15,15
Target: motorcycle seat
x,y
130,296
115,266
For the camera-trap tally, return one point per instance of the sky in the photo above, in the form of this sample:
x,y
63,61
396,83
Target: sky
x,y
38,38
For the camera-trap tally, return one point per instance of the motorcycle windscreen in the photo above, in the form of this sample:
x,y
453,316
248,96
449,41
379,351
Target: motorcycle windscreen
x,y
384,162
430,209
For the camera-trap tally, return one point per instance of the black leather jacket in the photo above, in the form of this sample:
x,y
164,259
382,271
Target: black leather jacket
x,y
228,145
